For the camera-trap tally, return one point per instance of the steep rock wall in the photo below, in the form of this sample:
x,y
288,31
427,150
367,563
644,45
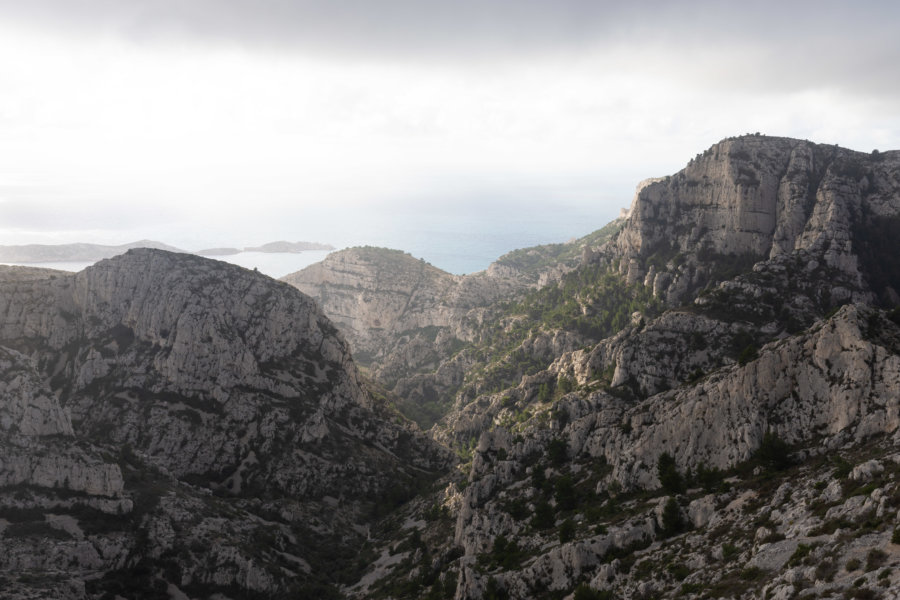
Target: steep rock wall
x,y
757,198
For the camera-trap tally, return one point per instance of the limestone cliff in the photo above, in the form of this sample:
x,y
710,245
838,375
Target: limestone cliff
x,y
194,377
376,295
755,198
39,446
739,444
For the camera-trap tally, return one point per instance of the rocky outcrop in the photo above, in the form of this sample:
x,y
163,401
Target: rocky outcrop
x,y
836,383
376,295
44,467
200,378
39,446
757,414
203,365
754,198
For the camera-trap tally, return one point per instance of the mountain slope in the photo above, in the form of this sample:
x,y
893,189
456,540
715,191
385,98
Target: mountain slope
x,y
700,401
231,406
753,423
757,198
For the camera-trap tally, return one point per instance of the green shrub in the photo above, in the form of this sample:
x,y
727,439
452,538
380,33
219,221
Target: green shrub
x,y
567,531
751,573
748,354
774,453
842,467
558,452
564,493
669,477
543,516
586,592
709,479
874,559
565,385
673,522
493,590
800,554
729,551
678,571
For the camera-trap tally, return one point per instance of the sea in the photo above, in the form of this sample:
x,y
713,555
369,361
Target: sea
x,y
459,243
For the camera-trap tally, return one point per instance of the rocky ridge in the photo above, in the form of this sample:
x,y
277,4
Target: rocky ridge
x,y
747,392
211,399
376,295
407,321
754,198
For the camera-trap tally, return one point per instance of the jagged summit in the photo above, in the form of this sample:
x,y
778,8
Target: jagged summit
x,y
760,198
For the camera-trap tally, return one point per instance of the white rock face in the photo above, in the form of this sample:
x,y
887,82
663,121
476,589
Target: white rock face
x,y
758,197
184,370
375,294
831,381
201,364
402,316
39,446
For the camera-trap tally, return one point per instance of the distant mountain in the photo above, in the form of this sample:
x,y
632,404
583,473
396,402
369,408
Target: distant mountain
x,y
218,251
79,252
82,252
289,247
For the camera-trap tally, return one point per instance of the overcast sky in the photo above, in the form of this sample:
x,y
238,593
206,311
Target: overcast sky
x,y
198,122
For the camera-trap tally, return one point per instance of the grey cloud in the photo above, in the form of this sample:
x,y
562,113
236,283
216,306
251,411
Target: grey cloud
x,y
765,44
339,26
439,26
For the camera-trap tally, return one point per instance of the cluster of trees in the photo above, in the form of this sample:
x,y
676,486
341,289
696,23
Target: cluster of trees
x,y
593,301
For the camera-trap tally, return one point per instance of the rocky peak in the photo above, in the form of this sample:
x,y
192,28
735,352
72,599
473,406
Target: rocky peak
x,y
199,378
756,198
201,364
375,292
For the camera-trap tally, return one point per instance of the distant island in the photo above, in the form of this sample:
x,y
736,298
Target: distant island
x,y
289,247
81,252
78,252
270,248
219,251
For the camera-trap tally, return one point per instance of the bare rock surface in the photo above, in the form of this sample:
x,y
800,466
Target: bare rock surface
x,y
204,406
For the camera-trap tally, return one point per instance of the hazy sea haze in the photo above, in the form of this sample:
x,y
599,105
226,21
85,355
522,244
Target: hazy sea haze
x,y
460,242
